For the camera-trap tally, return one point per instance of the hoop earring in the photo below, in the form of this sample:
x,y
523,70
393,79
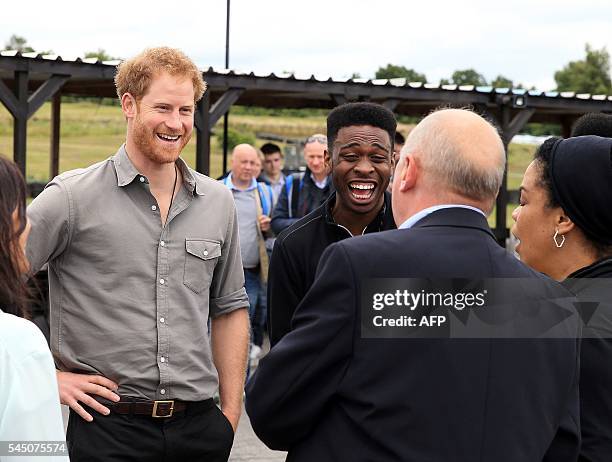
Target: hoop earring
x,y
559,245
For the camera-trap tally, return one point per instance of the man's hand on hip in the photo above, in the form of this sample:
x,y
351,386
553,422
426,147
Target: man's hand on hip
x,y
75,388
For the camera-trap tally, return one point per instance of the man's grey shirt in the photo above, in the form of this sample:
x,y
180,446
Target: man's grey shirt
x,y
246,209
130,299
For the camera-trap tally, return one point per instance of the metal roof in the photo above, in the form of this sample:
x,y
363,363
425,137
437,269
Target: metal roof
x,y
395,82
92,77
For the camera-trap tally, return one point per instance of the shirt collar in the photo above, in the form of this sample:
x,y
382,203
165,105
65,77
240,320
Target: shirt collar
x,y
410,222
267,179
375,225
319,184
127,173
230,184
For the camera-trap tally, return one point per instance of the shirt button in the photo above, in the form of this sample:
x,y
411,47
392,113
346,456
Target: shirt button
x,y
154,207
163,391
142,180
205,252
162,281
162,359
162,320
162,243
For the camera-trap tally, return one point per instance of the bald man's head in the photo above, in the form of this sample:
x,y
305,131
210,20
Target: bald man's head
x,y
244,164
460,153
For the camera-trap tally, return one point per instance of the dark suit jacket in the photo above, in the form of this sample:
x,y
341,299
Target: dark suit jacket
x,y
324,393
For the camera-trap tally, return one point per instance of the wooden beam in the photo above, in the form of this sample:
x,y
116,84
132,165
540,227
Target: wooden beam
x,y
8,99
567,122
50,67
20,121
55,135
518,122
391,104
339,99
203,135
484,111
44,92
223,104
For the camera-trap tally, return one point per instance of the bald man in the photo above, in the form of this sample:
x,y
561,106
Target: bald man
x,y
346,384
254,202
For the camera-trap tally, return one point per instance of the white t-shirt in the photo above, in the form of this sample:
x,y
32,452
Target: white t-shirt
x,y
29,399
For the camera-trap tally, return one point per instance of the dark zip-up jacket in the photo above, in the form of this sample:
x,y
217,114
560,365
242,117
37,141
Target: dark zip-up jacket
x,y
296,255
310,197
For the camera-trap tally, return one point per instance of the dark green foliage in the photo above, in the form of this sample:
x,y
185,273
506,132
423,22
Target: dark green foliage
x,y
590,75
234,138
101,54
465,77
391,71
502,82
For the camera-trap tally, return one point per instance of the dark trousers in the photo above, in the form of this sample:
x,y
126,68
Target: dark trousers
x,y
256,291
200,433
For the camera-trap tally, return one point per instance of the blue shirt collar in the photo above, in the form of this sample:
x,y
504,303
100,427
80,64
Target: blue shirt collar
x,y
410,222
230,184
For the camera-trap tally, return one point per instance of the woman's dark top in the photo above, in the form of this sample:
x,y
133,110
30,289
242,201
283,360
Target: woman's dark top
x,y
593,288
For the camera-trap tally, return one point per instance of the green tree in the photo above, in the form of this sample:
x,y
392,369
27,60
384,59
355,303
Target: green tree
x,y
590,75
235,137
466,77
101,54
502,82
18,43
391,71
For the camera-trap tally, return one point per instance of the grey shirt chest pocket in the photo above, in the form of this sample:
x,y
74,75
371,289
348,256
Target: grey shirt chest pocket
x,y
200,260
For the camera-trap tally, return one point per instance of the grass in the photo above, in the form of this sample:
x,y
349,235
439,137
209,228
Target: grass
x,y
91,132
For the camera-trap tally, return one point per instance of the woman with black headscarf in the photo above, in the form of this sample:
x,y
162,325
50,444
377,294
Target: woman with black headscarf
x,y
564,227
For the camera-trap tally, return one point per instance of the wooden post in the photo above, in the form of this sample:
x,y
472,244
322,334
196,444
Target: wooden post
x,y
566,126
501,231
203,135
55,136
20,121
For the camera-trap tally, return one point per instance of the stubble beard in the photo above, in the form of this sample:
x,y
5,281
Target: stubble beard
x,y
148,144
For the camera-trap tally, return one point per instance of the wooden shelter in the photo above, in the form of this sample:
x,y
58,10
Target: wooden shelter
x,y
27,80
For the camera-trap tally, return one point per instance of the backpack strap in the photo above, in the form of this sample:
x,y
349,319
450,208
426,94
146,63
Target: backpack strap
x,y
295,193
266,199
289,191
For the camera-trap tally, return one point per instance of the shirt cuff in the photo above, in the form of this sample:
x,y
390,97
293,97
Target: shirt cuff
x,y
228,303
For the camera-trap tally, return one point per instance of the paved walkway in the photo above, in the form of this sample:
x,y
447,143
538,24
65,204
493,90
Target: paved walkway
x,y
247,447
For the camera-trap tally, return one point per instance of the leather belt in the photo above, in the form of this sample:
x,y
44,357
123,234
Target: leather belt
x,y
156,409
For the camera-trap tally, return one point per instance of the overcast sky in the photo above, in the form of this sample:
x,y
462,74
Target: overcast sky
x,y
526,41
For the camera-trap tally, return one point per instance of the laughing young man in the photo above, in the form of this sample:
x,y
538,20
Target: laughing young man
x,y
361,137
143,256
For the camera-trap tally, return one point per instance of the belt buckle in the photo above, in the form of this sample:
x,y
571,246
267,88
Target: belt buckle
x,y
155,408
